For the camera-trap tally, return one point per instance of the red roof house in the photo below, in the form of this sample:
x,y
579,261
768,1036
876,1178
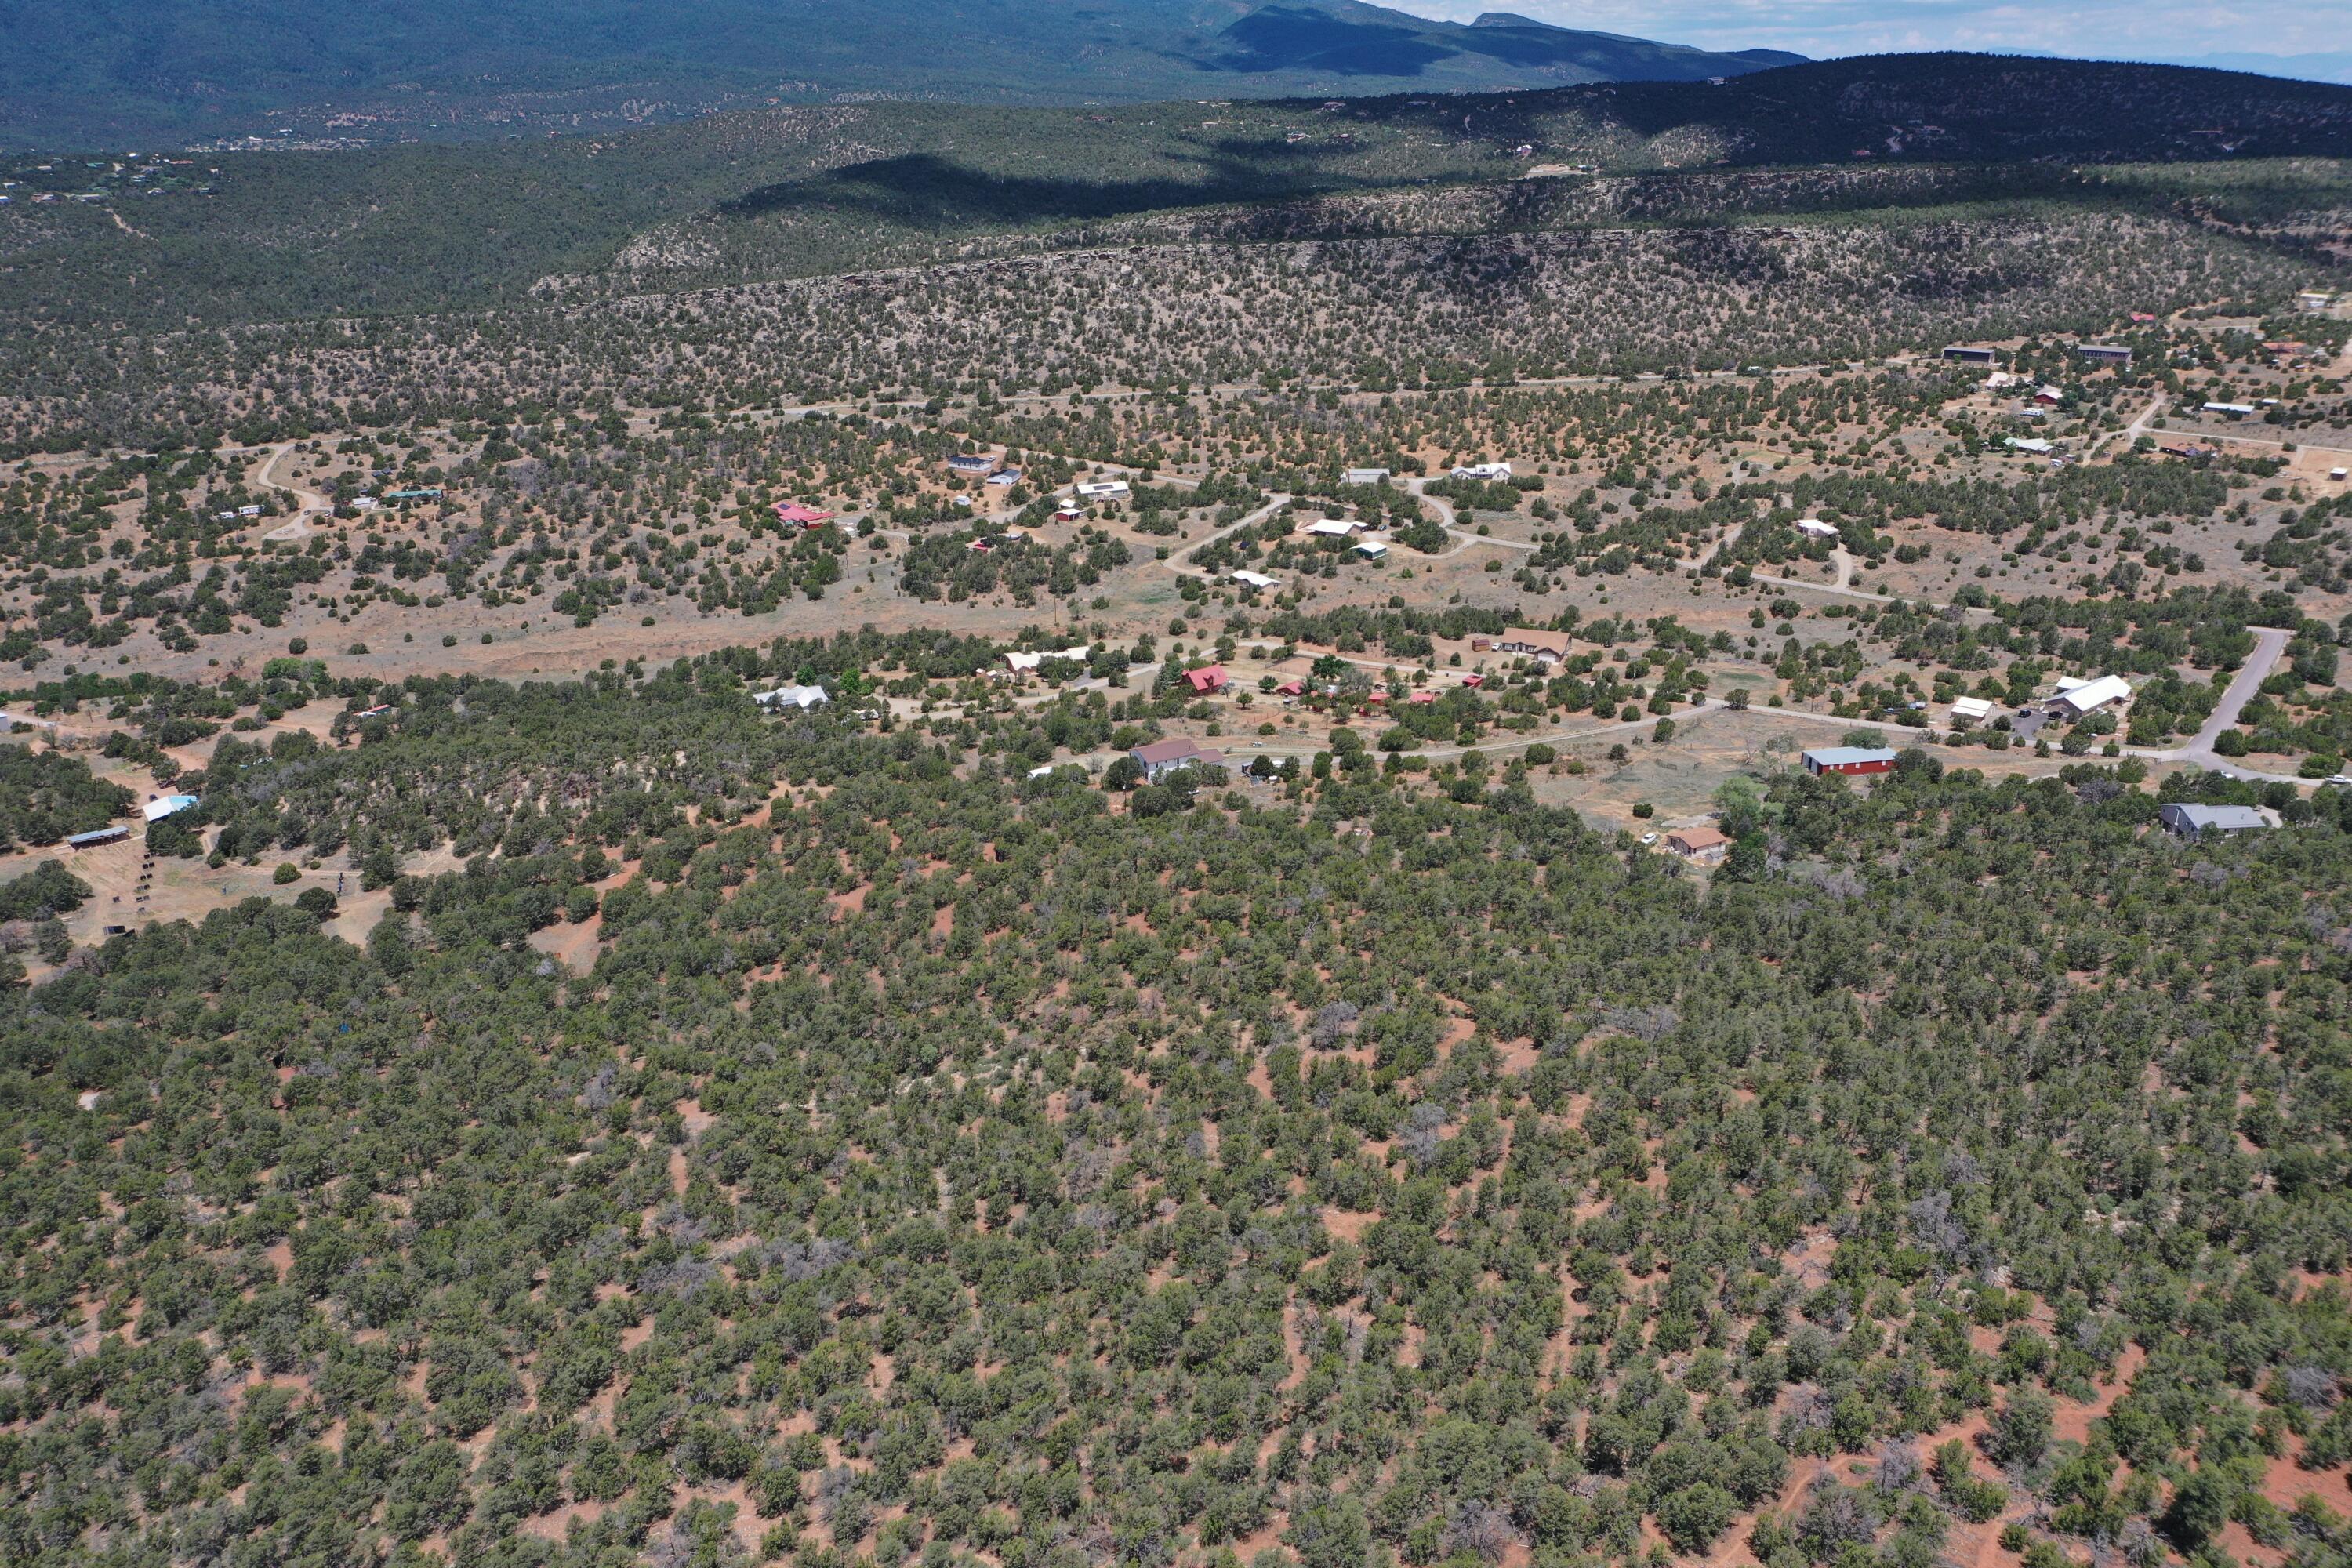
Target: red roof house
x,y
1291,689
1474,680
805,516
1207,678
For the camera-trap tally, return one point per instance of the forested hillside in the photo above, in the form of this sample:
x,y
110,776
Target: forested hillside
x,y
938,1166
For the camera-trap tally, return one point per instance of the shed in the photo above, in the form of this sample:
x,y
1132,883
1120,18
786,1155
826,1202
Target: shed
x,y
1962,355
1849,760
115,833
1372,551
1971,708
1364,477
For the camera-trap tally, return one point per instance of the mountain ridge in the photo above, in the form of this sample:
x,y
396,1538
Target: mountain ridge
x,y
185,72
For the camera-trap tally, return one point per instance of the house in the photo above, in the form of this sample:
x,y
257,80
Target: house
x,y
423,493
1425,697
1004,477
1702,842
2141,318
2034,444
378,711
1291,689
2191,821
1960,355
799,516
1970,709
1102,489
1024,663
1207,678
1069,512
2103,353
1488,471
1372,551
2313,298
800,696
2089,696
1161,758
2050,396
1254,579
1333,528
1814,528
1849,760
2186,449
1364,477
971,463
1474,681
2234,410
158,807
1544,648
113,835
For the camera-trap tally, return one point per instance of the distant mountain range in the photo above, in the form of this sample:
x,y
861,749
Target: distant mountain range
x,y
111,73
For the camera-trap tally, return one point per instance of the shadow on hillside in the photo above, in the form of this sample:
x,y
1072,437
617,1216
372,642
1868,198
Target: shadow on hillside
x,y
927,190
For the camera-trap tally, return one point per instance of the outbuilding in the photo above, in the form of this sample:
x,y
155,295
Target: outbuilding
x,y
1364,477
158,807
1849,760
97,835
1254,579
1963,355
1970,709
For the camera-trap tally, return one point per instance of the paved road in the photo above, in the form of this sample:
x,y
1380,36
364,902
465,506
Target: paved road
x,y
2269,644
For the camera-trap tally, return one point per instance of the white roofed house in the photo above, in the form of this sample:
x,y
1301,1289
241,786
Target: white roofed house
x,y
795,696
1333,528
1481,471
1814,528
1254,579
1969,709
1101,490
2089,696
1025,663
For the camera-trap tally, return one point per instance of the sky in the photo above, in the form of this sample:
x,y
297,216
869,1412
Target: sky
x,y
2173,30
